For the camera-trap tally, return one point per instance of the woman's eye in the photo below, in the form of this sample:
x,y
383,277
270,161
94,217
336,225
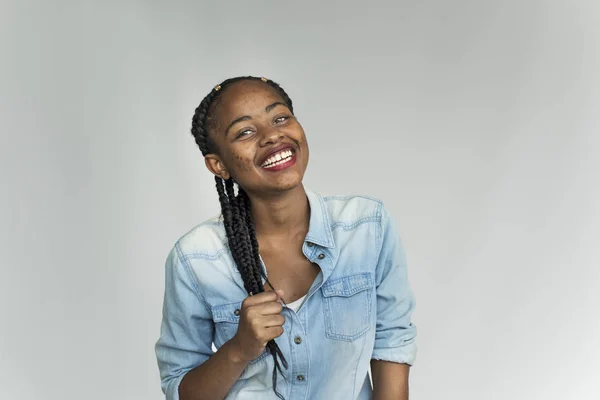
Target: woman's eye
x,y
244,133
281,119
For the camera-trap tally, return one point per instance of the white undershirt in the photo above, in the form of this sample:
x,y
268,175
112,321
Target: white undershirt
x,y
295,305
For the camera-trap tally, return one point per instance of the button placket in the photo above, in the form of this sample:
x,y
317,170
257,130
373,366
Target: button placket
x,y
299,365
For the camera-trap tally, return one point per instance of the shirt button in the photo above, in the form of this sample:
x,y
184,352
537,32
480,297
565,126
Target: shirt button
x,y
300,377
237,312
297,340
321,256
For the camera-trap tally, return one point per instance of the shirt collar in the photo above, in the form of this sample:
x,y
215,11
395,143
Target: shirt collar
x,y
319,228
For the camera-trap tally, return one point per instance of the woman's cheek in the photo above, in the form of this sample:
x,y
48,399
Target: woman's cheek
x,y
243,162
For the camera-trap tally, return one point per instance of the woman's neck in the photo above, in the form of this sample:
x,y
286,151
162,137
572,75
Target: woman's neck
x,y
282,216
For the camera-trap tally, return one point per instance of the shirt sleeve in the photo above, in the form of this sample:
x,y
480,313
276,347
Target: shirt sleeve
x,y
395,333
187,328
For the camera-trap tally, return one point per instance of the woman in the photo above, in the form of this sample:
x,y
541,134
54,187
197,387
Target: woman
x,y
299,293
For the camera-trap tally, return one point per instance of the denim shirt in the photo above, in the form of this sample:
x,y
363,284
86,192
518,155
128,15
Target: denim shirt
x,y
358,308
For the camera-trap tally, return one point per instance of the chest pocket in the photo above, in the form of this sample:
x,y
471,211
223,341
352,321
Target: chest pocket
x,y
227,319
347,306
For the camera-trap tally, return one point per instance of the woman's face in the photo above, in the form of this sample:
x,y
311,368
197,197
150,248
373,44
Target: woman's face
x,y
260,144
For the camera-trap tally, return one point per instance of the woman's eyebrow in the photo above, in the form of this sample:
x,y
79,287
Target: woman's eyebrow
x,y
247,117
235,121
272,106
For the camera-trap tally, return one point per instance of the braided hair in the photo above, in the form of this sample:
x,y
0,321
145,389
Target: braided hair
x,y
236,209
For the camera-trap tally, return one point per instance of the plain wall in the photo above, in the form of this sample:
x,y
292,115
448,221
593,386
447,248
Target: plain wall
x,y
476,122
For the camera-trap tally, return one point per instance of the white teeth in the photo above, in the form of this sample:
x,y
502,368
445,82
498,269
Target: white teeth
x,y
277,159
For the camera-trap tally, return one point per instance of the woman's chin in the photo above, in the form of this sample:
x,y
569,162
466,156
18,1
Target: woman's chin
x,y
285,185
281,185
274,183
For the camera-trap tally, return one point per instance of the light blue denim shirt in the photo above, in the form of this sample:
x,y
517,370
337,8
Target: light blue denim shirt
x,y
358,308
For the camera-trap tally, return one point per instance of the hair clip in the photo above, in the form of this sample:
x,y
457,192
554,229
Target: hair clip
x,y
217,88
263,79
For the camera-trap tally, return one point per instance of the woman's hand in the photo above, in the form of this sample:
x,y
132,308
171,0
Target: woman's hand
x,y
260,321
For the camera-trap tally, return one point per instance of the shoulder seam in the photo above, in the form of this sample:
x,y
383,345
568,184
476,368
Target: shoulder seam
x,y
209,256
206,256
356,223
351,196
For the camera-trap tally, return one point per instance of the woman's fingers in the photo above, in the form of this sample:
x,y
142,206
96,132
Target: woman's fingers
x,y
273,320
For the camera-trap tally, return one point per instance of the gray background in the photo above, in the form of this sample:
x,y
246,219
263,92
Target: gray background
x,y
477,122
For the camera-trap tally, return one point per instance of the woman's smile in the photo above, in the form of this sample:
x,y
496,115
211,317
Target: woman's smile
x,y
282,164
280,158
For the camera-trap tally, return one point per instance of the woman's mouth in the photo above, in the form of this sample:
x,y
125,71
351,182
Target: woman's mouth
x,y
279,161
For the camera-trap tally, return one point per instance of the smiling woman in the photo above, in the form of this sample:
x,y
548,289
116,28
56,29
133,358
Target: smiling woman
x,y
285,282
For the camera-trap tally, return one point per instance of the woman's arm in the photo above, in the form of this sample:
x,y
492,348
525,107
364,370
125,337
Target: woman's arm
x,y
213,379
260,322
189,369
390,380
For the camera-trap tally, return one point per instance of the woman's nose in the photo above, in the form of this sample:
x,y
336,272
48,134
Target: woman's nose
x,y
270,135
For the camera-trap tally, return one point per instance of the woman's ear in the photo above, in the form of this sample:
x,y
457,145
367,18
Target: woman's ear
x,y
216,166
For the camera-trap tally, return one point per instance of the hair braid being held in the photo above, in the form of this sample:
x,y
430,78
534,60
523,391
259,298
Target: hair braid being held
x,y
241,237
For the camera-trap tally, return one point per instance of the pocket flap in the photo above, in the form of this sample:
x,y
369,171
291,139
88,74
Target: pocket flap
x,y
348,285
227,312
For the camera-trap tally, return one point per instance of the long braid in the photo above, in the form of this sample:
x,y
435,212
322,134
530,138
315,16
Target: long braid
x,y
236,210
243,245
245,201
232,239
246,216
250,222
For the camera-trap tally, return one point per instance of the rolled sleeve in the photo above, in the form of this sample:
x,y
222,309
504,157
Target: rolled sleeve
x,y
395,333
187,328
